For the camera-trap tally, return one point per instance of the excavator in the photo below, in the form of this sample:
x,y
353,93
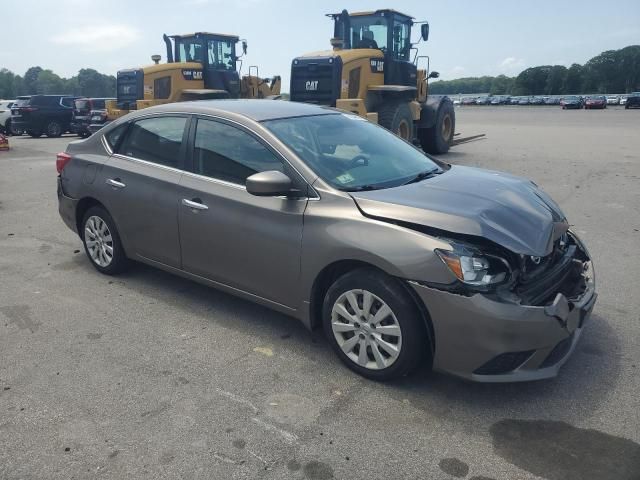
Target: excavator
x,y
372,70
199,66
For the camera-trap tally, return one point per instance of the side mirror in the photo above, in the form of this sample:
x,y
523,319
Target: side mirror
x,y
244,47
434,74
424,31
269,184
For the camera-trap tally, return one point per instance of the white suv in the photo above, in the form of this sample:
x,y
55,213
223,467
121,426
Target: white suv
x,y
5,115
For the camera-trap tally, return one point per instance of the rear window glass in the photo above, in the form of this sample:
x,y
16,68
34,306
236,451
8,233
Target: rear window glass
x,y
97,104
82,104
67,102
22,102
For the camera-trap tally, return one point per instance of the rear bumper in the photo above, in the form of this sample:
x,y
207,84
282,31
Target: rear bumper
x,y
67,208
19,123
485,340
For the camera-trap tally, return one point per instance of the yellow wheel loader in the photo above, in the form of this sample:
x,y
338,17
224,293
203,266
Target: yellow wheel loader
x,y
370,71
199,66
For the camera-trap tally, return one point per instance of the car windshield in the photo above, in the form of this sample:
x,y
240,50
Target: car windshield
x,y
351,153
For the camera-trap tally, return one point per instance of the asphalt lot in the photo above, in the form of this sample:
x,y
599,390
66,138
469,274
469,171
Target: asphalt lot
x,y
146,375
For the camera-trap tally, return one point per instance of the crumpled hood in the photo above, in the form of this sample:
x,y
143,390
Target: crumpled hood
x,y
508,210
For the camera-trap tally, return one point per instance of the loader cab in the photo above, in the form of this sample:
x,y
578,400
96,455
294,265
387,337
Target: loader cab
x,y
217,55
386,30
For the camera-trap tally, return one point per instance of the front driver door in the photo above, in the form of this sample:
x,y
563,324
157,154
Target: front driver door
x,y
230,236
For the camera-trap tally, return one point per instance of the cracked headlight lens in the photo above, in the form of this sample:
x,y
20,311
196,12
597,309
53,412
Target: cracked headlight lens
x,y
475,269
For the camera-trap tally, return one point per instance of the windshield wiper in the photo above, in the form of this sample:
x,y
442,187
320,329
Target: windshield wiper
x,y
422,175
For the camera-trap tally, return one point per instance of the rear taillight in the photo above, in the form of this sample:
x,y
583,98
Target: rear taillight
x,y
61,161
28,109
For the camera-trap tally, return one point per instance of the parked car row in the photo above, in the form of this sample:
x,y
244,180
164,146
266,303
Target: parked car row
x,y
567,102
50,115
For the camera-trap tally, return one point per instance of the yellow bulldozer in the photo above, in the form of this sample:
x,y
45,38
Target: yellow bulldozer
x,y
199,66
373,71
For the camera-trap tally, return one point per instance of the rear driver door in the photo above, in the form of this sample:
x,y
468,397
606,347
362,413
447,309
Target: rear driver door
x,y
141,180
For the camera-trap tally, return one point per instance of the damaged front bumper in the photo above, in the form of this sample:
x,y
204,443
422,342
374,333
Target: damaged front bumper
x,y
485,339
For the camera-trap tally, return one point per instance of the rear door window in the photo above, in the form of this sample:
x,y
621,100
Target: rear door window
x,y
229,153
157,140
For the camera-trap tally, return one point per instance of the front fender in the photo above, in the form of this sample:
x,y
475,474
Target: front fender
x,y
336,230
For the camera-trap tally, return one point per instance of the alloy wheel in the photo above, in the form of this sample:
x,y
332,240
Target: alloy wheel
x,y
366,329
99,241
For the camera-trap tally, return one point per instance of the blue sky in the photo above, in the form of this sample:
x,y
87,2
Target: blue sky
x,y
468,37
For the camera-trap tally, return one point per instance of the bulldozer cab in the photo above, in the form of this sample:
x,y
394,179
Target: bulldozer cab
x,y
215,52
386,30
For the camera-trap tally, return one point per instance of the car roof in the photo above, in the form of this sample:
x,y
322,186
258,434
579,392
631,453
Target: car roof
x,y
257,110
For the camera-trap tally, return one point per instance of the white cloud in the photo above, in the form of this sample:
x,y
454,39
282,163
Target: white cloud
x,y
511,65
99,38
457,71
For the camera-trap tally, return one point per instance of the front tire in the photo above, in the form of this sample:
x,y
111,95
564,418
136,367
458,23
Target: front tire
x,y
396,117
374,325
439,138
102,242
34,133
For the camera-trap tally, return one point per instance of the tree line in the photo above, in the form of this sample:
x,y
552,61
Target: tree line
x,y
613,71
36,80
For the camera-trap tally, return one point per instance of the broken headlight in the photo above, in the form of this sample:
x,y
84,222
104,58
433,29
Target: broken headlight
x,y
475,268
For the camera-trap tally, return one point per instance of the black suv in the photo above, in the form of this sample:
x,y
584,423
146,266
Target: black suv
x,y
38,114
83,111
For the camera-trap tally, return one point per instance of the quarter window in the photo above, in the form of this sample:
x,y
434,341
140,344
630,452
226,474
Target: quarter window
x,y
230,154
156,140
114,136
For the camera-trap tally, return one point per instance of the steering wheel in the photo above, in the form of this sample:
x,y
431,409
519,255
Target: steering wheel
x,y
356,161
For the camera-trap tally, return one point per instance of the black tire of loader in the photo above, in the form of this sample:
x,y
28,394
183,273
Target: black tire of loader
x,y
396,117
439,138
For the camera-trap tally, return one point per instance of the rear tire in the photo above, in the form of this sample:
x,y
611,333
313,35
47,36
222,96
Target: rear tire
x,y
53,129
393,354
7,127
102,242
396,117
439,138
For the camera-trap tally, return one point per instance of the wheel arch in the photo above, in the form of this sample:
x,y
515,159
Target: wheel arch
x,y
85,204
329,274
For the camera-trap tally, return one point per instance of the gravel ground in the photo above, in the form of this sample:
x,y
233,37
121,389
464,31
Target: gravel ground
x,y
146,375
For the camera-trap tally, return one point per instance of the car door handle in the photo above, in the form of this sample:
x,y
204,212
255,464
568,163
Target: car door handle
x,y
195,204
116,183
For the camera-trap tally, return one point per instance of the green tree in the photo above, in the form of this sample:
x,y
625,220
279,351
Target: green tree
x,y
6,84
556,80
48,83
30,79
574,80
